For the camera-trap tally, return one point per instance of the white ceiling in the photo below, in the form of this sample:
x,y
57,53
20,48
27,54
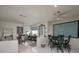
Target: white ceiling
x,y
32,14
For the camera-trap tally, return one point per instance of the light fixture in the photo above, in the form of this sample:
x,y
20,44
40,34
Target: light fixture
x,y
22,15
55,5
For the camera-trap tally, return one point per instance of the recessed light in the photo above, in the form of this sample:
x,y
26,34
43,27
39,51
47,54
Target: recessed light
x,y
22,15
58,18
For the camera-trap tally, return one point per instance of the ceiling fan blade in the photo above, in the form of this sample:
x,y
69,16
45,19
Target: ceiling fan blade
x,y
60,15
64,13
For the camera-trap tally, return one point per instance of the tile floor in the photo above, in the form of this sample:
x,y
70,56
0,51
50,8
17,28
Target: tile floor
x,y
29,47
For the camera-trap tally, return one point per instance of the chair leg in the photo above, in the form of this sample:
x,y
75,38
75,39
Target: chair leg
x,y
69,49
62,50
57,50
51,47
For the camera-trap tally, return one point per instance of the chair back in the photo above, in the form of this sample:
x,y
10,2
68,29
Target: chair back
x,y
68,39
61,40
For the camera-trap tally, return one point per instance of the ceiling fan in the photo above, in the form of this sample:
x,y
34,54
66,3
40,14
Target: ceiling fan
x,y
60,15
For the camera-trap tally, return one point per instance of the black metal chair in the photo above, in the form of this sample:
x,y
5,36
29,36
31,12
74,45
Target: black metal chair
x,y
66,44
60,43
54,41
50,44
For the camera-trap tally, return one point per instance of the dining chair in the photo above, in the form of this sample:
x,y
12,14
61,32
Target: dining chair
x,y
60,43
66,44
50,43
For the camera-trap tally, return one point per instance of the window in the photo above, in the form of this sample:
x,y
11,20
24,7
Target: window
x,y
35,32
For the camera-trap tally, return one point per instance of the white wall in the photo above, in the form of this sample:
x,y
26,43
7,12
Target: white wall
x,y
75,44
11,25
0,30
50,28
